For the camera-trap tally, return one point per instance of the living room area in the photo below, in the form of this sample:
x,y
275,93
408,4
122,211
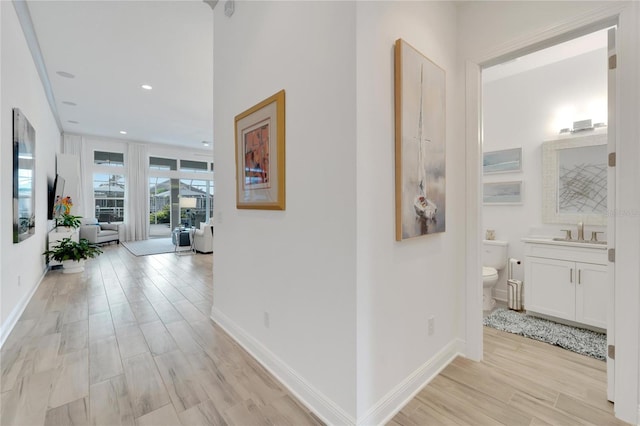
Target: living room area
x,y
121,118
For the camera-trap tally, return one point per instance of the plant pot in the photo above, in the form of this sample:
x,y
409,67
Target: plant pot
x,y
72,266
63,228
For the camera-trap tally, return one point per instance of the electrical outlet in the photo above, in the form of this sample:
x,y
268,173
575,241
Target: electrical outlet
x,y
266,319
431,326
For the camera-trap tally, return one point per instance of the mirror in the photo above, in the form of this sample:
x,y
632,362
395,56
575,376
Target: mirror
x,y
574,180
24,165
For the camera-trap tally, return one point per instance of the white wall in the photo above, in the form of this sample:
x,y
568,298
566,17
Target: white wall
x,y
402,284
20,87
299,264
521,111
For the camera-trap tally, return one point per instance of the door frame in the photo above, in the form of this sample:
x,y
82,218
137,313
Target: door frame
x,y
626,15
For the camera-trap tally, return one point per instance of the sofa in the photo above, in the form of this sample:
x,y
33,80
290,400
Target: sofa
x,y
99,233
203,238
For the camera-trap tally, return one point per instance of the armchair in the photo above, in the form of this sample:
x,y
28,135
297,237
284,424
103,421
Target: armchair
x,y
99,233
203,238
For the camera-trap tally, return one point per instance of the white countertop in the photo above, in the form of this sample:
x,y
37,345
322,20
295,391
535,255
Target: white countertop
x,y
536,239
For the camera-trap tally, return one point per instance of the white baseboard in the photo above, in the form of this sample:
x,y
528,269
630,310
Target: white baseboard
x,y
313,399
389,405
500,295
17,311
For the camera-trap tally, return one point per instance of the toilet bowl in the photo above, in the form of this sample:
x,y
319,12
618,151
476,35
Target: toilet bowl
x,y
489,279
494,259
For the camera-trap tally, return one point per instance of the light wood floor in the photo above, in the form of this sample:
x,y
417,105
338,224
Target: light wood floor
x,y
129,342
519,382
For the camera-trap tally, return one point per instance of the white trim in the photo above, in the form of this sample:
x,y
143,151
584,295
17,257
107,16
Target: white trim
x,y
626,287
390,404
16,313
328,411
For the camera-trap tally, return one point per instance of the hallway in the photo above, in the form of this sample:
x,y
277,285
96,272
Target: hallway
x,y
129,341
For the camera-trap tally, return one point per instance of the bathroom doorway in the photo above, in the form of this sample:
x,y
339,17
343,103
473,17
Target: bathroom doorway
x,y
558,95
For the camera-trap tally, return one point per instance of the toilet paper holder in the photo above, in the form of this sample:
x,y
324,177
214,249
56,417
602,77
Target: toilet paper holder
x,y
514,288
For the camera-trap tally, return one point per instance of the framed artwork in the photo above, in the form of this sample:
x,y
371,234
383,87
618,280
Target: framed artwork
x,y
260,159
24,174
420,144
503,161
502,192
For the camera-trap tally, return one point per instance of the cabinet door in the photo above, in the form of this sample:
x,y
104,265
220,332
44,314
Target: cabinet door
x,y
550,287
592,294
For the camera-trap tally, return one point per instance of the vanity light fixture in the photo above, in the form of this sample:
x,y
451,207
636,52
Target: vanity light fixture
x,y
146,87
581,126
122,132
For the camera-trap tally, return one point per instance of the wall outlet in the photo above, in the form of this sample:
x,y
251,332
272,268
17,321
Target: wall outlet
x,y
266,320
431,326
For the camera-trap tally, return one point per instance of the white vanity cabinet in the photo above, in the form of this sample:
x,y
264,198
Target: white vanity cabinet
x,y
566,280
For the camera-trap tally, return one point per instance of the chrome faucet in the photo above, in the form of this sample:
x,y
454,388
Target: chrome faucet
x,y
580,231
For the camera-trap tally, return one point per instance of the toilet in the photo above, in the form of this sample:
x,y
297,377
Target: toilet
x,y
494,259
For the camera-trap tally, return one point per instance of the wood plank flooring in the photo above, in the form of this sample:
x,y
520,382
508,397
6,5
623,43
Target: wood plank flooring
x,y
130,342
519,382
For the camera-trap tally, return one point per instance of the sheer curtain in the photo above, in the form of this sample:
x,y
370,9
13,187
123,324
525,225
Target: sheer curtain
x,y
72,144
137,196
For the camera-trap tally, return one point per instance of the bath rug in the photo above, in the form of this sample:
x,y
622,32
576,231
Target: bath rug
x,y
579,340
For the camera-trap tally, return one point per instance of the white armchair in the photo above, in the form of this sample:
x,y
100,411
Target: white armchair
x,y
203,238
99,233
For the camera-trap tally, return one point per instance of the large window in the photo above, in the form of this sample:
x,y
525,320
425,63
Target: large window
x,y
158,163
193,166
108,193
103,158
196,203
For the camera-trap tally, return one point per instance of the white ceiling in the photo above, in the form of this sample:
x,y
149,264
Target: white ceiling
x,y
559,52
112,48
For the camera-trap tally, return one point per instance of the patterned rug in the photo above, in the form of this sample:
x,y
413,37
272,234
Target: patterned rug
x,y
579,340
150,246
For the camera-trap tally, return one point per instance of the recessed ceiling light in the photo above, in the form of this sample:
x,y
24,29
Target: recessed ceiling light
x,y
72,121
69,103
205,143
65,74
122,132
146,87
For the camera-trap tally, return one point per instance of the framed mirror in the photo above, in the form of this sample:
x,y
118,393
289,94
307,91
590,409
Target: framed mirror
x,y
574,180
24,172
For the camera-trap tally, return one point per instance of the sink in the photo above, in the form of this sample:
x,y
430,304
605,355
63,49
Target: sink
x,y
580,241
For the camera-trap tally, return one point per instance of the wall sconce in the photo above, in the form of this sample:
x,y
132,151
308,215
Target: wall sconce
x,y
581,126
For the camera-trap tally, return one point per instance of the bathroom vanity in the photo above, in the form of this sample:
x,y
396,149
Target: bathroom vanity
x,y
566,280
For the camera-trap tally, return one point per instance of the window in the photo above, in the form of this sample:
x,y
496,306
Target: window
x,y
157,163
108,192
103,158
193,166
200,191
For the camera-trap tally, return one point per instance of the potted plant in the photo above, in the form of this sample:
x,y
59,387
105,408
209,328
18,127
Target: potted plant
x,y
66,222
73,254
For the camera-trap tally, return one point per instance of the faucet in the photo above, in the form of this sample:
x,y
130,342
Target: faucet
x,y
580,231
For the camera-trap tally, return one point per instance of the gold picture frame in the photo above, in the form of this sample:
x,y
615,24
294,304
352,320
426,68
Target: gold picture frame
x,y
260,155
420,143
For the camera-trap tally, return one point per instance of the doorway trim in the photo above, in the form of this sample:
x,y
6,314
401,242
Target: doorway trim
x,y
627,209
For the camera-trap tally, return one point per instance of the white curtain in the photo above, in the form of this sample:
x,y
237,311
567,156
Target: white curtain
x,y
72,144
137,193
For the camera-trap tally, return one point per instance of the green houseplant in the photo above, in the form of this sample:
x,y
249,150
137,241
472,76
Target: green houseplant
x,y
72,254
68,220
